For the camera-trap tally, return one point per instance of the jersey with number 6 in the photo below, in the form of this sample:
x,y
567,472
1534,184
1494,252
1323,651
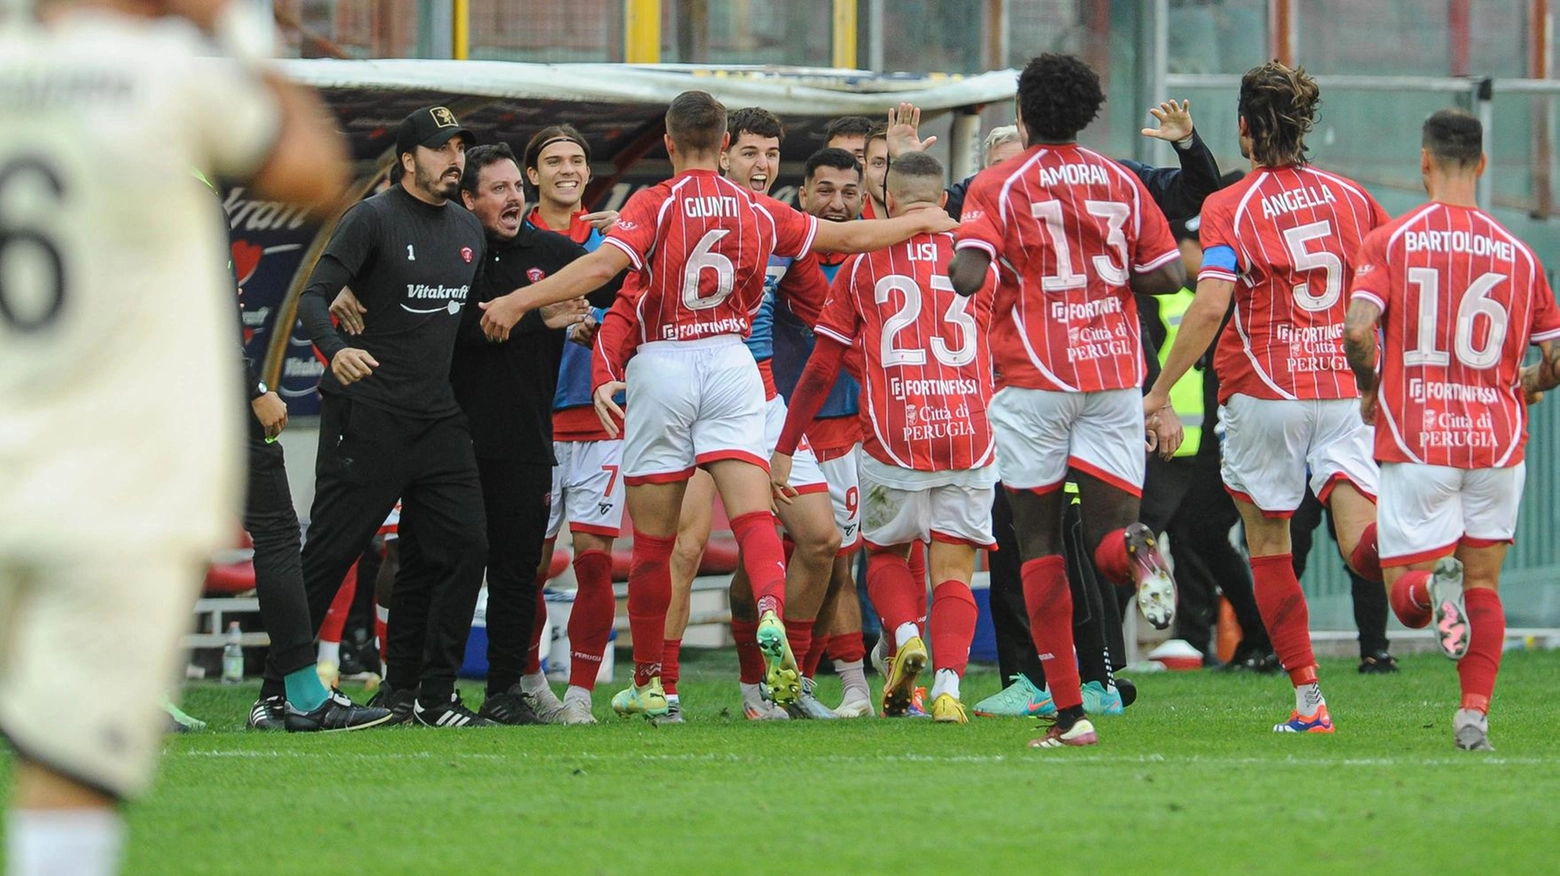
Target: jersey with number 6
x,y
1461,299
927,379
701,244
1286,237
119,376
1067,228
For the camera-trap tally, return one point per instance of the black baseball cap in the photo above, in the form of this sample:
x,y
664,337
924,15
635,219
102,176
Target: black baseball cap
x,y
432,127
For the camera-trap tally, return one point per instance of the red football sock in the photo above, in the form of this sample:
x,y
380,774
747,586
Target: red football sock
x,y
1282,606
1049,601
892,589
533,657
847,647
798,634
918,575
649,596
381,630
590,621
1366,558
820,644
1477,669
671,665
750,660
1410,598
953,625
1110,558
762,559
336,618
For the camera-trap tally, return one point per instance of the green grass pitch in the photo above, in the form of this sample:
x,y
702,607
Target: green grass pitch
x,y
1189,780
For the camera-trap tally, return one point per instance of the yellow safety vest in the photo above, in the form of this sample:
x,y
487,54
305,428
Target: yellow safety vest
x,y
1187,394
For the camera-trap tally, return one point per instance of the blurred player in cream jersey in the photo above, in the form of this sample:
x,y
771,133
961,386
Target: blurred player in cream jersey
x,y
1281,243
1461,299
928,471
111,249
699,245
1077,235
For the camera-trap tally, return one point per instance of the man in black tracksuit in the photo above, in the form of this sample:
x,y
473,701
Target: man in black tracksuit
x,y
389,424
506,390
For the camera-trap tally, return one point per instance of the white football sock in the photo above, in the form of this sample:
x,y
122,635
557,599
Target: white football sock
x,y
73,842
1308,698
946,681
853,678
575,693
534,683
329,652
904,633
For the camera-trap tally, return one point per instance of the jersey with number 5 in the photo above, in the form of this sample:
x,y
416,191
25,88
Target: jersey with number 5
x,y
701,245
1461,299
1067,228
1286,237
927,379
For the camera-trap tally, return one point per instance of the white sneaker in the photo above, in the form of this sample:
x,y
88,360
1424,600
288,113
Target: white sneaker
x,y
879,654
856,707
576,712
758,707
546,705
1471,730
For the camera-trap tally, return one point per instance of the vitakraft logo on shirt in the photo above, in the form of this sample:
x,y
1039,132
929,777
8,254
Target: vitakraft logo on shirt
x,y
452,297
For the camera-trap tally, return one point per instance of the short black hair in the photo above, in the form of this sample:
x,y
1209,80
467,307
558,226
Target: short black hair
x,y
478,157
847,126
1058,96
830,157
550,135
696,121
1454,137
754,120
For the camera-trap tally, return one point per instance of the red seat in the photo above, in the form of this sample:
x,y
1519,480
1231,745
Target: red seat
x,y
561,559
229,579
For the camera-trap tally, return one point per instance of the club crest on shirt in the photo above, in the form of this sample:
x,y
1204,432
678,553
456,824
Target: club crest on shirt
x,y
535,275
466,254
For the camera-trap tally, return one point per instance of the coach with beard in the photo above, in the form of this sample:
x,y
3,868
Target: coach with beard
x,y
389,424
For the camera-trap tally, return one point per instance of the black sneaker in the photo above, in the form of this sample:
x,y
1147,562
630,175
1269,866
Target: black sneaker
x,y
336,714
509,707
1127,690
269,713
1379,663
399,702
450,714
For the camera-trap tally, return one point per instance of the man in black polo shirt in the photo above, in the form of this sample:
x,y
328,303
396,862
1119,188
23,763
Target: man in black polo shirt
x,y
506,390
389,424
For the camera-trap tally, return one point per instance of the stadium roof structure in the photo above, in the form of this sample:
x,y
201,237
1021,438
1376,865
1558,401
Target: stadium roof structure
x,y
618,107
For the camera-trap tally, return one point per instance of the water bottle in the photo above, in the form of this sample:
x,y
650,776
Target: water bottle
x,y
233,655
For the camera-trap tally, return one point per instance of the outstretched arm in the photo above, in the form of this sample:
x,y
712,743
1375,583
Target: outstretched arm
x,y
579,277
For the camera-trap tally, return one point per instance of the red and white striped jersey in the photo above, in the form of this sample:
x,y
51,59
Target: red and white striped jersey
x,y
701,245
1286,237
1067,227
927,379
1461,299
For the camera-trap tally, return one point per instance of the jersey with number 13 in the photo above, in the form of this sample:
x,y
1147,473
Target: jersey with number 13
x,y
700,245
1286,237
1067,228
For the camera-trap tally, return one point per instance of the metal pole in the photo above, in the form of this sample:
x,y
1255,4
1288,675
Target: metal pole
x,y
441,42
875,35
460,30
1155,33
964,156
844,33
642,31
1484,108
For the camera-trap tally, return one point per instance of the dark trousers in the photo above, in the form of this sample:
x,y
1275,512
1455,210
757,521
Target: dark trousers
x,y
1097,632
367,459
1370,599
1186,497
273,527
515,496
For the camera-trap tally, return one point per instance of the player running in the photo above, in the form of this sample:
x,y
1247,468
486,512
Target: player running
x,y
928,472
699,245
1077,235
1281,242
1461,299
